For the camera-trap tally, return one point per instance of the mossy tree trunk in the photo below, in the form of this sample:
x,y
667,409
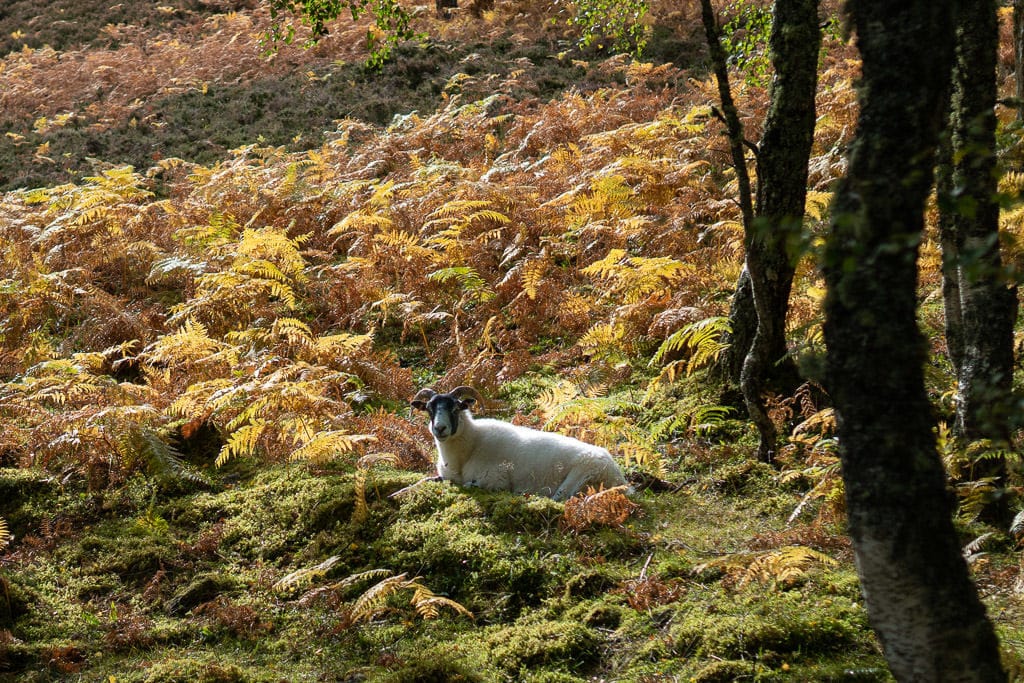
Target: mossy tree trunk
x,y
784,152
981,307
918,592
760,355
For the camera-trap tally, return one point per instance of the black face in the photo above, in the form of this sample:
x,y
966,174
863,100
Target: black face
x,y
444,411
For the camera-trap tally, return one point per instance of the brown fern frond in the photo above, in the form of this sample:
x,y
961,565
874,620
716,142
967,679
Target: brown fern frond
x,y
605,507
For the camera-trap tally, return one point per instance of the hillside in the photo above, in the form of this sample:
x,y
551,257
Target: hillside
x,y
226,274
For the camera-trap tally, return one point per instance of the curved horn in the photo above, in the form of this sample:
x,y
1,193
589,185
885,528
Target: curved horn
x,y
466,393
419,401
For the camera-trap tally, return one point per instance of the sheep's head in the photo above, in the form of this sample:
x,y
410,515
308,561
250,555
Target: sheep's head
x,y
445,409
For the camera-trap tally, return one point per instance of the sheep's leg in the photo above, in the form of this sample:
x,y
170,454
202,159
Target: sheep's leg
x,y
400,492
574,481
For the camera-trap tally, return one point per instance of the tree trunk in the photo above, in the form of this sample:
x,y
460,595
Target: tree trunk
x,y
954,319
1018,54
742,326
761,302
782,160
988,307
919,595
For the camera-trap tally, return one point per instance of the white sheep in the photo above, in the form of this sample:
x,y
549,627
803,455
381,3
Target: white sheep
x,y
500,456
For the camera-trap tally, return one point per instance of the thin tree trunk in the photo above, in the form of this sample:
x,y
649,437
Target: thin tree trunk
x,y
742,313
733,125
988,307
919,595
781,193
1018,54
782,160
954,319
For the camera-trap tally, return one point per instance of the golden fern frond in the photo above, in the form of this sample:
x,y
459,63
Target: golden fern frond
x,y
458,207
373,599
242,442
817,205
428,604
603,339
341,344
607,267
361,220
359,577
306,576
327,445
299,428
776,567
190,342
532,273
784,566
553,398
195,402
5,534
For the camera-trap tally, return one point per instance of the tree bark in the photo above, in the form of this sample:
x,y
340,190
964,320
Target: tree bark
x,y
1018,54
771,226
988,307
954,319
784,151
919,595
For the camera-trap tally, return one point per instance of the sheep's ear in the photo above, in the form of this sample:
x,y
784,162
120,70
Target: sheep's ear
x,y
466,396
419,401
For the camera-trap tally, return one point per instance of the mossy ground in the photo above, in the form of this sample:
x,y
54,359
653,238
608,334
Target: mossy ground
x,y
147,585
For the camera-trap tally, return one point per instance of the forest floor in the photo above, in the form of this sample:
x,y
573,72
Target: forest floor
x,y
238,562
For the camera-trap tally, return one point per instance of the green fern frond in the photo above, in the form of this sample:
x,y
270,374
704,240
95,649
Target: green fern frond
x,y
702,339
158,457
469,280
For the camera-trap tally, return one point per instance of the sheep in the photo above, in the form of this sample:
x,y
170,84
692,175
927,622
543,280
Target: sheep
x,y
500,456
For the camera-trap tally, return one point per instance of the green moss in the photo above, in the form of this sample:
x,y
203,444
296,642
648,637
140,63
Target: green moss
x,y
432,667
566,644
190,671
769,625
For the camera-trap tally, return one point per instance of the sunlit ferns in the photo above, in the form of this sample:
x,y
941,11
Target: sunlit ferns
x,y
589,414
376,599
278,408
777,568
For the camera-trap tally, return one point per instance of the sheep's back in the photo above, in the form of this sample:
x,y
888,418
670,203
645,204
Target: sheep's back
x,y
528,460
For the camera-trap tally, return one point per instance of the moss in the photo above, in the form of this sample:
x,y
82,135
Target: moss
x,y
190,671
525,514
589,583
728,670
762,626
547,643
203,588
431,667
